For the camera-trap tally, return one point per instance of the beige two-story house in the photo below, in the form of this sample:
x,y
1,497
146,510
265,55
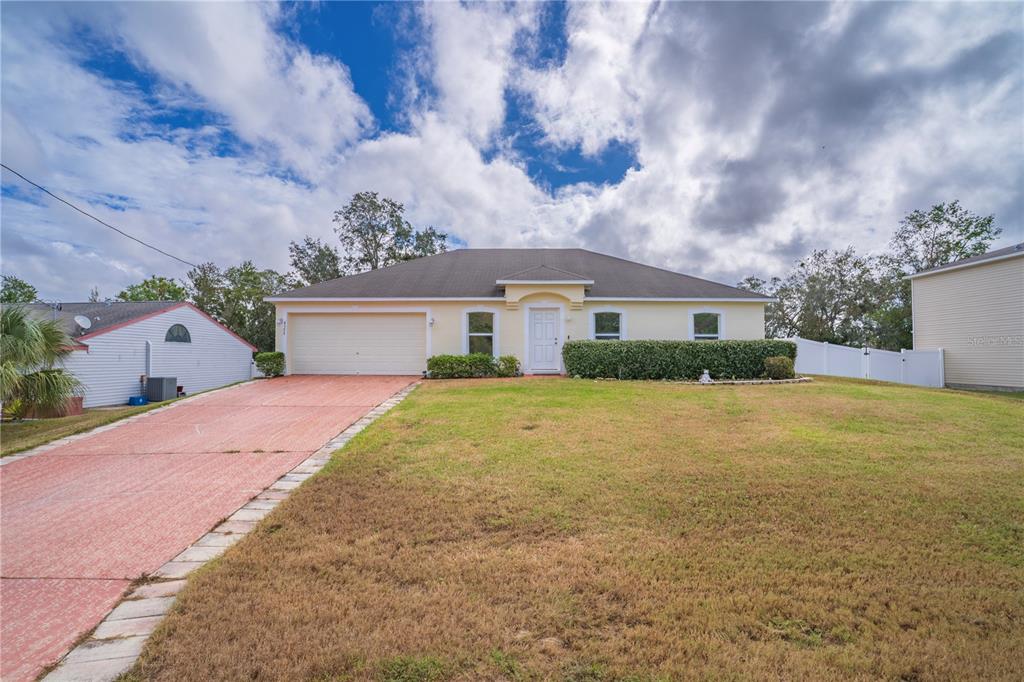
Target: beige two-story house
x,y
974,310
522,302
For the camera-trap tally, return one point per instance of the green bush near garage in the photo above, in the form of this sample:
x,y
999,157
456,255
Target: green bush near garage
x,y
271,363
672,360
472,366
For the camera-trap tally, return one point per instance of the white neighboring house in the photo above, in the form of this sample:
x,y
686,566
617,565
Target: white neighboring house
x,y
127,340
974,310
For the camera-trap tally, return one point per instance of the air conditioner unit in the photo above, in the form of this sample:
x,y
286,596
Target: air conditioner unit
x,y
159,389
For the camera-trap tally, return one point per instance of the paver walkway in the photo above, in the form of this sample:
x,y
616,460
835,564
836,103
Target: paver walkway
x,y
79,522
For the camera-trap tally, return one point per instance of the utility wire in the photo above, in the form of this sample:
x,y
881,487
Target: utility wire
x,y
90,215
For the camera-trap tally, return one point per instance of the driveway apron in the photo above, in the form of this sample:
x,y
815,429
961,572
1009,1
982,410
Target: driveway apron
x,y
78,523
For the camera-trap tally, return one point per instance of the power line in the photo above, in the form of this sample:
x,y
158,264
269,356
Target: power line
x,y
90,215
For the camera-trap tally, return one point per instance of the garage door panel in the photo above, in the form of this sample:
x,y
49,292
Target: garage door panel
x,y
358,343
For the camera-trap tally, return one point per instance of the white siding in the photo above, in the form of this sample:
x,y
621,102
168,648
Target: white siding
x,y
111,368
976,314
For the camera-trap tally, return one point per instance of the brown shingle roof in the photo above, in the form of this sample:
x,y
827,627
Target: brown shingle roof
x,y
472,273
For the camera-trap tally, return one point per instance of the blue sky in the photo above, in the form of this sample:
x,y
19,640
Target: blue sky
x,y
363,36
715,139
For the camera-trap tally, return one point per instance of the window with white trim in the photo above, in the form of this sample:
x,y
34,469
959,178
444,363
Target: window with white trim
x,y
707,326
480,330
608,326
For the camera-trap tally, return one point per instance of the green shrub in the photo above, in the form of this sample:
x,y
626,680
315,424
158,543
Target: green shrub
x,y
779,367
508,366
672,359
471,366
270,363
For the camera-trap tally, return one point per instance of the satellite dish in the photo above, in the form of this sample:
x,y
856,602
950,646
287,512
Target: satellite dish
x,y
83,321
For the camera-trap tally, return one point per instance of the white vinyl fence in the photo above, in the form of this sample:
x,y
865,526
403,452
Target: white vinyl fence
x,y
918,367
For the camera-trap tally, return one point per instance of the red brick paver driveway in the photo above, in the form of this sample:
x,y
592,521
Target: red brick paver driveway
x,y
79,522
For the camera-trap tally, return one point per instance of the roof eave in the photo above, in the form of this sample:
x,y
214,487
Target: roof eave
x,y
374,299
399,299
954,266
506,282
686,299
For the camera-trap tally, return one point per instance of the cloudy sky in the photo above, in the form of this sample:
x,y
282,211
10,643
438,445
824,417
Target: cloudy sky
x,y
716,139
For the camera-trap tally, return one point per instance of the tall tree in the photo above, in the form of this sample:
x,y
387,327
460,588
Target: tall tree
x,y
154,288
825,297
427,242
245,312
17,290
374,233
204,287
314,261
941,235
94,295
234,297
924,239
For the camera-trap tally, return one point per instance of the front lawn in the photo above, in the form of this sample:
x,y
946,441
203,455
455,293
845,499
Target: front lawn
x,y
16,436
568,529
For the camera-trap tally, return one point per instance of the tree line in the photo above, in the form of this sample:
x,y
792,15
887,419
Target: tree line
x,y
372,233
844,297
839,296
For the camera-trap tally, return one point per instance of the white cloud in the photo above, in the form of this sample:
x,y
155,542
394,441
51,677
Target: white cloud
x,y
445,181
272,90
907,39
63,126
748,152
591,99
701,90
472,60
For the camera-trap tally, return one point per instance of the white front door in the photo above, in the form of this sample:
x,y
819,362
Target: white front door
x,y
544,340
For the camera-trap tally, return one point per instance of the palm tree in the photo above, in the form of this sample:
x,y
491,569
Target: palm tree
x,y
30,351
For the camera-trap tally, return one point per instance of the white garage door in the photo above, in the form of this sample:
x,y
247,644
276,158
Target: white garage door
x,y
357,343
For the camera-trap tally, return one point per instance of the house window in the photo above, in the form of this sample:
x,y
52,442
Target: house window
x,y
178,333
707,326
480,326
607,326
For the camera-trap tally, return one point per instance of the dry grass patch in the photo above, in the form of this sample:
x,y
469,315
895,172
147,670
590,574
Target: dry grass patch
x,y
16,436
559,529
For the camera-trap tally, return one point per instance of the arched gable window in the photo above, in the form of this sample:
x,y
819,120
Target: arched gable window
x,y
178,333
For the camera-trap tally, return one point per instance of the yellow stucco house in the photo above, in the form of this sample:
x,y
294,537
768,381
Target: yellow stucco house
x,y
522,302
973,310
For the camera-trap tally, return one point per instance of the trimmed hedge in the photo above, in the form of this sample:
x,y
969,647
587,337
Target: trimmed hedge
x,y
675,360
779,367
471,366
271,363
